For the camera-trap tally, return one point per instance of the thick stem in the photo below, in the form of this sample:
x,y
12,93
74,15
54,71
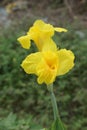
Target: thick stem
x,y
54,103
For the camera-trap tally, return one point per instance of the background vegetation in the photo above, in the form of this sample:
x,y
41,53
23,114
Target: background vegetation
x,y
25,105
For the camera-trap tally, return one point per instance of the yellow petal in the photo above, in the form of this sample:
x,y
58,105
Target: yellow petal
x,y
66,61
39,23
24,41
43,28
42,39
49,44
60,29
46,78
30,62
45,74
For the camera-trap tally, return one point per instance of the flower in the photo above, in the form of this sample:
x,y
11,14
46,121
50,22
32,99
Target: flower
x,y
40,32
48,64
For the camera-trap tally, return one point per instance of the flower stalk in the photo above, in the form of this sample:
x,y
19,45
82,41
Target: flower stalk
x,y
54,103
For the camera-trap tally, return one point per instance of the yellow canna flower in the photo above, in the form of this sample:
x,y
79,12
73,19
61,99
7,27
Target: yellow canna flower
x,y
39,33
48,64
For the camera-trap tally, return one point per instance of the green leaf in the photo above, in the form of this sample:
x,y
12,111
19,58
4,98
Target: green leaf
x,y
57,125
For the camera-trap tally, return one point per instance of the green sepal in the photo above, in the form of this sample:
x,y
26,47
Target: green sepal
x,y
57,125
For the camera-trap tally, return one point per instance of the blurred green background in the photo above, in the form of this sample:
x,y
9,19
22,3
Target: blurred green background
x,y
25,105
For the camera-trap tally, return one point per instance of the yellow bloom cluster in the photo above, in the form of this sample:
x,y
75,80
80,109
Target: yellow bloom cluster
x,y
48,62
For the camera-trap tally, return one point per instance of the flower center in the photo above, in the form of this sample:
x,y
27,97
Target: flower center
x,y
51,59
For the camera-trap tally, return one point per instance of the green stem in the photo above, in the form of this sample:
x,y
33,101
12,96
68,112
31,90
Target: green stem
x,y
54,103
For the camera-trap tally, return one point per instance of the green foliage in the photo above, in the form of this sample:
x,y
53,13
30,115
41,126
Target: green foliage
x,y
57,125
21,94
12,123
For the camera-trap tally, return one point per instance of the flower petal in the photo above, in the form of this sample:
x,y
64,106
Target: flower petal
x,y
43,28
30,62
66,61
24,41
45,74
49,44
39,23
60,29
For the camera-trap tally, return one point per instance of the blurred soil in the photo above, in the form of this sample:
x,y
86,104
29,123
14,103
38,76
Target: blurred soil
x,y
14,12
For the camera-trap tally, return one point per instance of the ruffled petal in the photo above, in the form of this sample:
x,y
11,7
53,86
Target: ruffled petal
x,y
66,61
60,29
24,41
30,62
39,23
43,28
45,74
